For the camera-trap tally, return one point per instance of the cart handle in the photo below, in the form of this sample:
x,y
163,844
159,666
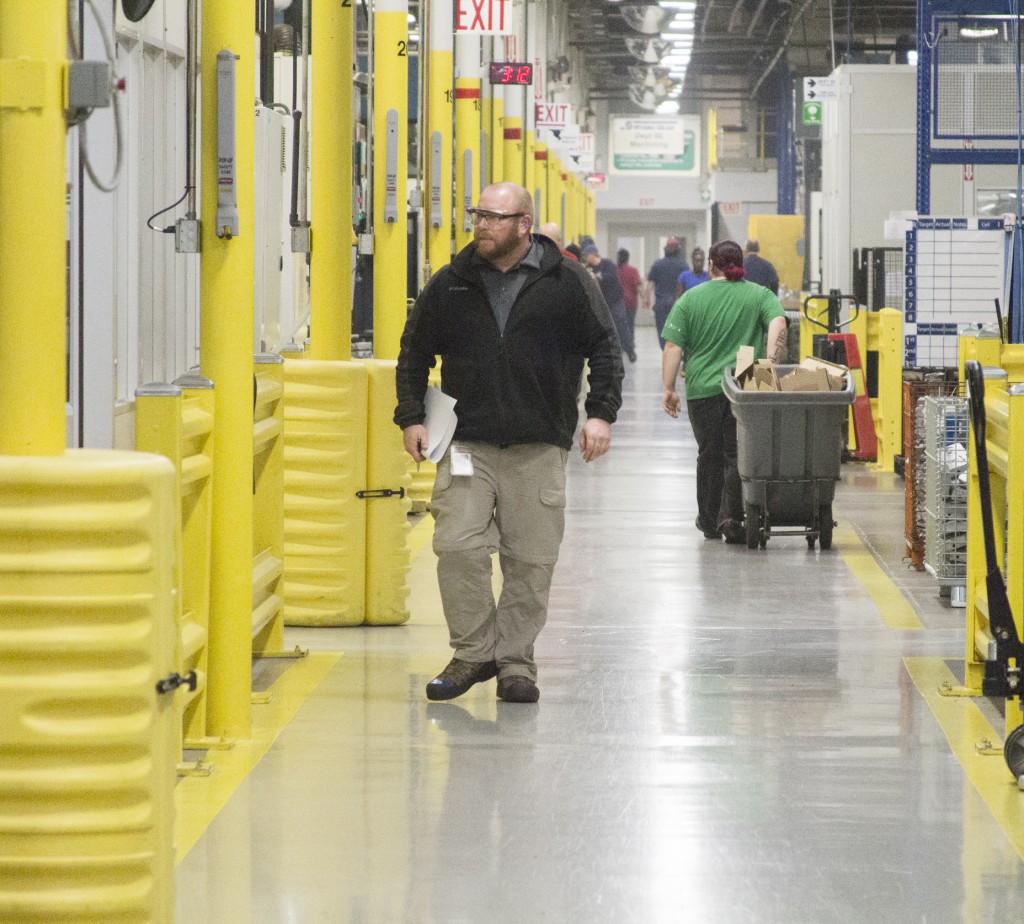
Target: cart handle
x,y
825,298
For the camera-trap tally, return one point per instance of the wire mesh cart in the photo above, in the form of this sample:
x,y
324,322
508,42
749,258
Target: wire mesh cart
x,y
789,449
945,508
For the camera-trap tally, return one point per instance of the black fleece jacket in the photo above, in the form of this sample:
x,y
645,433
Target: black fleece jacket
x,y
521,387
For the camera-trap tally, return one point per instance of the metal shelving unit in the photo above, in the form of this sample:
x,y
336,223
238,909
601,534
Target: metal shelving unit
x,y
945,510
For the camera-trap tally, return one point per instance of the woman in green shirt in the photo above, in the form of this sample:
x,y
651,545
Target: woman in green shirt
x,y
709,323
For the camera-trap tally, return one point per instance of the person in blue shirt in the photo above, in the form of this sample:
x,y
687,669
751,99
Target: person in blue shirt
x,y
662,279
692,277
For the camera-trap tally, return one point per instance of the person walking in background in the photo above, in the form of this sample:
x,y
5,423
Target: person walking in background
x,y
632,291
662,279
552,230
692,277
607,276
758,269
710,323
513,323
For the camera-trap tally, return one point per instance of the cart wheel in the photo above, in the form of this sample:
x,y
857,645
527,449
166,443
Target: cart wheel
x,y
1013,751
825,527
810,542
753,515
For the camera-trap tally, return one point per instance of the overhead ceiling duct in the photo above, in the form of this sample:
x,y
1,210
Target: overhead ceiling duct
x,y
643,74
645,99
650,51
648,19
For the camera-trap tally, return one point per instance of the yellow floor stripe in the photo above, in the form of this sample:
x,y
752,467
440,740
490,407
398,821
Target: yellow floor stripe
x,y
893,606
964,726
197,800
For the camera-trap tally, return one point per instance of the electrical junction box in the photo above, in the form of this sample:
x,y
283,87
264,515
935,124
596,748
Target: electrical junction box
x,y
89,85
186,235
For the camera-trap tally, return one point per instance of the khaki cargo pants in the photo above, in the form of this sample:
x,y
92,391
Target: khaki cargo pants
x,y
513,503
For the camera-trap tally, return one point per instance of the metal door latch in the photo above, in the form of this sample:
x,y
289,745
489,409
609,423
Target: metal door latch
x,y
381,492
171,682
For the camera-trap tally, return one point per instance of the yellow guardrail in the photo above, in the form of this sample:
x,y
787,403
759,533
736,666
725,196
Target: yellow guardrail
x,y
176,421
1004,442
268,507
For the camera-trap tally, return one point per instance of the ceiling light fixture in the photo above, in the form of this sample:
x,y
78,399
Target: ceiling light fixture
x,y
649,20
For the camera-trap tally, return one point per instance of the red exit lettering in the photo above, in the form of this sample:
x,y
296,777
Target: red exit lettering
x,y
480,15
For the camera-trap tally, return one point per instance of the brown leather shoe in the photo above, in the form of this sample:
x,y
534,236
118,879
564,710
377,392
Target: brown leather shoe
x,y
517,689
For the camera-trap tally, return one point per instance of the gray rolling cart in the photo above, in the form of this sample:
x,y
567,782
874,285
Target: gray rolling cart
x,y
790,446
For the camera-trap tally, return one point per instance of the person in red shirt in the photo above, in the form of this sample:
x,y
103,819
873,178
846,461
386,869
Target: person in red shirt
x,y
632,291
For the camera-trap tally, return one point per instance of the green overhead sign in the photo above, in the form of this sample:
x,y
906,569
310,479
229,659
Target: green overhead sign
x,y
812,113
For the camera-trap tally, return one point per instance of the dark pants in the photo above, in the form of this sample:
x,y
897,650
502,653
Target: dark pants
x,y
719,491
620,315
661,313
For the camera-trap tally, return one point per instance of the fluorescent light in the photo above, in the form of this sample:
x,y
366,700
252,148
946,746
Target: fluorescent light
x,y
979,32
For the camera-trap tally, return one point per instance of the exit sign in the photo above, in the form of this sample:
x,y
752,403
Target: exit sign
x,y
485,17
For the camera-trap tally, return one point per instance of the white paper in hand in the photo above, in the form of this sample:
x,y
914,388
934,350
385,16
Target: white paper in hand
x,y
440,422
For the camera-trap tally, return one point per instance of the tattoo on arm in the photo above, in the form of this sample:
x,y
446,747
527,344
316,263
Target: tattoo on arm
x,y
779,347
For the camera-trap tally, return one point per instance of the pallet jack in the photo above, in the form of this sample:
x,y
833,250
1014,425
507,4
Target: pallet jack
x,y
1002,678
837,347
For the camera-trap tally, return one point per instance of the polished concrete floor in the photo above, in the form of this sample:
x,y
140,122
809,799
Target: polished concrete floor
x,y
722,735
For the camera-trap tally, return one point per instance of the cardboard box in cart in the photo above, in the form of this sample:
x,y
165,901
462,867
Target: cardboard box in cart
x,y
789,429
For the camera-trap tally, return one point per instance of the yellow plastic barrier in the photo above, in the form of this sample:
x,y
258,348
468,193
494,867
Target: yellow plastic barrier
x,y
1004,432
176,421
87,632
385,494
325,432
268,506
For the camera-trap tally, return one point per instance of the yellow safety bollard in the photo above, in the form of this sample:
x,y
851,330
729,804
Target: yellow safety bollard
x,y
387,504
87,713
325,433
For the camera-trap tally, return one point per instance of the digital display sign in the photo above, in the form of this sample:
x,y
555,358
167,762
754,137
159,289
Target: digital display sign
x,y
512,72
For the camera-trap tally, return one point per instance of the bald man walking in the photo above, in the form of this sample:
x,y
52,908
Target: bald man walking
x,y
512,322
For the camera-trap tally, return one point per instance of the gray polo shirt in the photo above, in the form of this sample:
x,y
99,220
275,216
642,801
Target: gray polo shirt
x,y
503,287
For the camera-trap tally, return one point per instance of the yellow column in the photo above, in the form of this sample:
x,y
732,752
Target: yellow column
x,y
467,134
390,168
33,278
226,337
497,164
540,181
486,137
330,282
438,153
555,193
529,163
512,125
890,386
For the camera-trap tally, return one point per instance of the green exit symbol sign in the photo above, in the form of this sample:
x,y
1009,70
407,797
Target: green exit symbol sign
x,y
812,113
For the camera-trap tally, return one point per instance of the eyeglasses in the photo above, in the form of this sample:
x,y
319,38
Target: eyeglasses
x,y
482,216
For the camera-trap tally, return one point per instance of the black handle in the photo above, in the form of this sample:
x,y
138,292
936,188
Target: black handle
x,y
976,393
171,682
